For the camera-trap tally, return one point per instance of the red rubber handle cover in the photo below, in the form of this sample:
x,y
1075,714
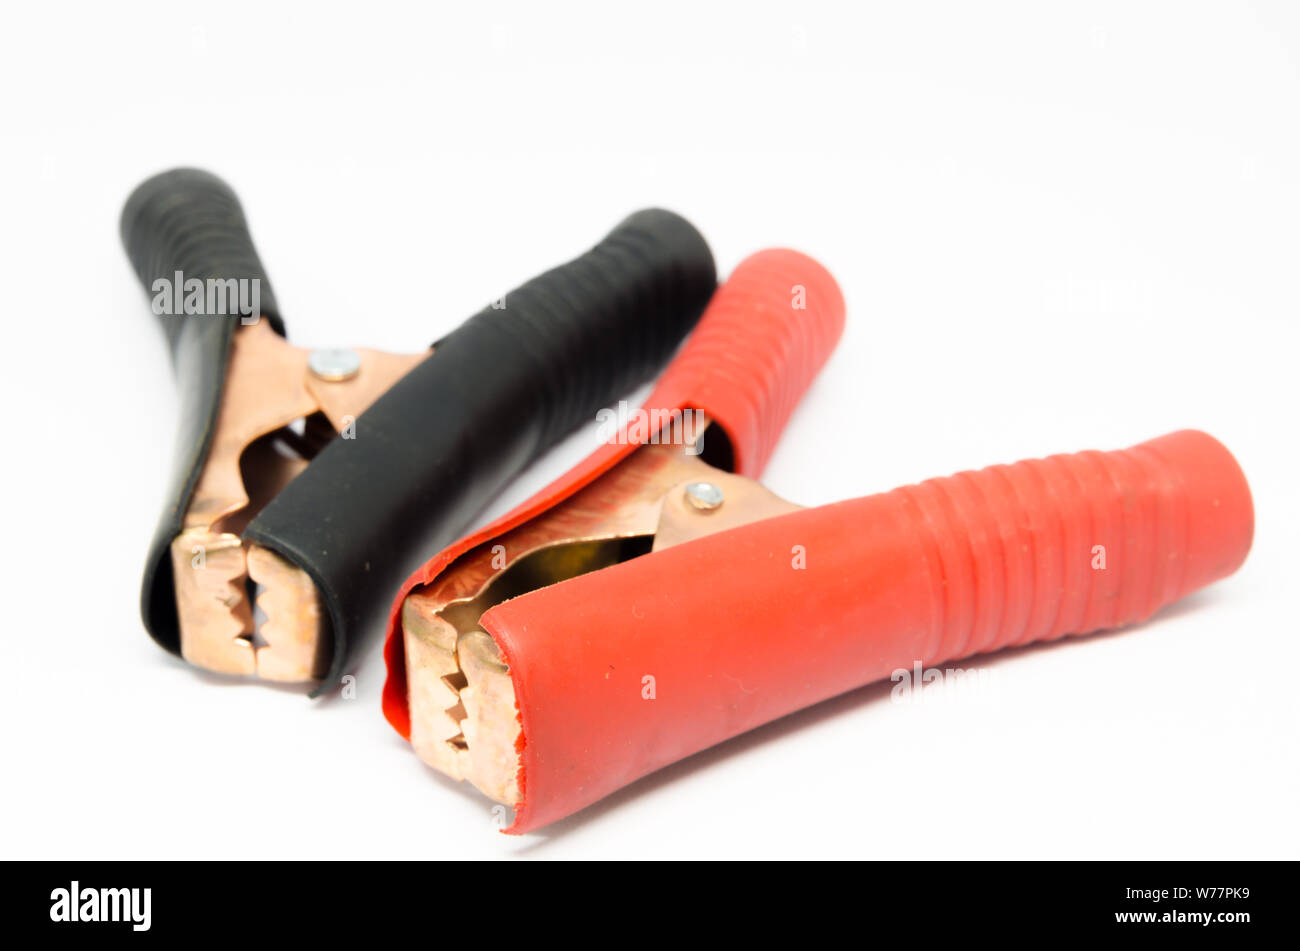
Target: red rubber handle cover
x,y
747,625
764,336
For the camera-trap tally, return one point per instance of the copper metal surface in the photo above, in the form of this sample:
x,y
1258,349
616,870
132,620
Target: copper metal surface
x,y
464,717
254,454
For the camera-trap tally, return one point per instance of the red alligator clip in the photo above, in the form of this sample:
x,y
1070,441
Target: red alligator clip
x,y
718,408
649,605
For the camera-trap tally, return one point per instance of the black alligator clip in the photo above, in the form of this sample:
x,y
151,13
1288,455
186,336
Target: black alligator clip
x,y
307,485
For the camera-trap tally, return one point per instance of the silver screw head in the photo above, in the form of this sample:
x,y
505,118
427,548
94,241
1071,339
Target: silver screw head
x,y
704,496
334,363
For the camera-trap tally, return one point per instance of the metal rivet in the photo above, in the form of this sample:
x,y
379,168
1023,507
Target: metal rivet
x,y
334,363
704,496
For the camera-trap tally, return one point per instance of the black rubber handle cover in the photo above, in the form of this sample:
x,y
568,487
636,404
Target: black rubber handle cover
x,y
496,393
188,221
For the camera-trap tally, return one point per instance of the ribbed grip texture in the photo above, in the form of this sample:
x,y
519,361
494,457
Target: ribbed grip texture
x,y
766,333
744,626
639,290
189,221
1073,543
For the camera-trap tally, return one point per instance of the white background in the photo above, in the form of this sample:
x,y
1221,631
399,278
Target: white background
x,y
1057,229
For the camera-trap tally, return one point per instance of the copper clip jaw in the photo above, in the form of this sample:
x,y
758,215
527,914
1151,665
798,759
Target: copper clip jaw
x,y
255,453
464,715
